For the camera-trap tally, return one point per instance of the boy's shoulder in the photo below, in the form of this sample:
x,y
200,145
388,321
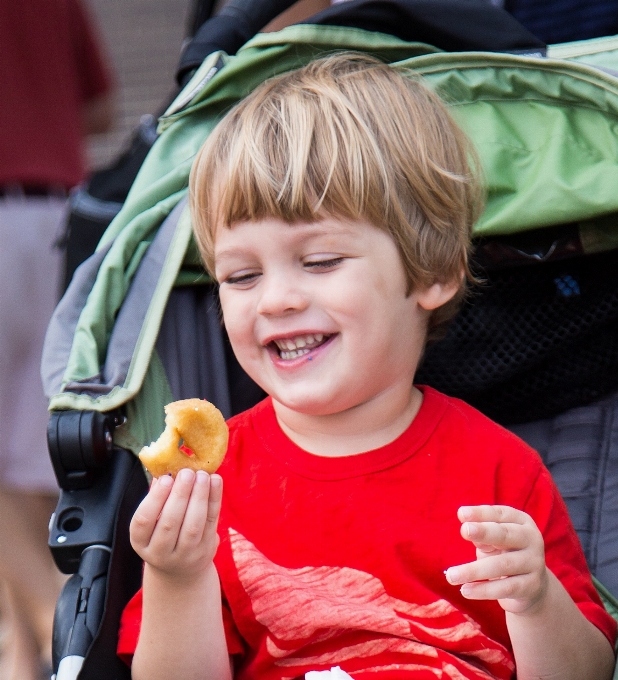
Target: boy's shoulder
x,y
461,414
471,436
461,435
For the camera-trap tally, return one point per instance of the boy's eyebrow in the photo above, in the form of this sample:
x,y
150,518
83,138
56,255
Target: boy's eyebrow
x,y
341,228
315,230
229,253
328,232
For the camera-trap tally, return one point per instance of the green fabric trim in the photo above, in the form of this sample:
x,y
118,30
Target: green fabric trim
x,y
607,60
341,36
188,277
192,272
580,48
96,321
98,316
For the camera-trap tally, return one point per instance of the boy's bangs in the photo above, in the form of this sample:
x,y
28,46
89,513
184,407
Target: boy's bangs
x,y
296,158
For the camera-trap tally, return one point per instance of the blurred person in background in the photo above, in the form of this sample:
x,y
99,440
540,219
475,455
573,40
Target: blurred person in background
x,y
55,89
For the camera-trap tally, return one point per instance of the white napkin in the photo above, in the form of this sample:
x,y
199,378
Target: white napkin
x,y
334,673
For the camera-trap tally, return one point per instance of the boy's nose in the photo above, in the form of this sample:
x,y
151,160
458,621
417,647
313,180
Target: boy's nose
x,y
280,296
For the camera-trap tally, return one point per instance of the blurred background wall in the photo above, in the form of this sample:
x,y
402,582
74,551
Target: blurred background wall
x,y
144,39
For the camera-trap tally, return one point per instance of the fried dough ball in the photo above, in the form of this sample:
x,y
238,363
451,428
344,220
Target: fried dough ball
x,y
195,437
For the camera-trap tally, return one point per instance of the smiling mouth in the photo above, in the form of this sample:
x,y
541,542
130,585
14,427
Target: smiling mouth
x,y
298,346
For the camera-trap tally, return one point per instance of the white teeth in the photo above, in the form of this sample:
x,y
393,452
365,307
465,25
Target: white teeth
x,y
294,353
290,348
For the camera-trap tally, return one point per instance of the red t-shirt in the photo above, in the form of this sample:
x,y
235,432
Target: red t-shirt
x,y
50,65
340,561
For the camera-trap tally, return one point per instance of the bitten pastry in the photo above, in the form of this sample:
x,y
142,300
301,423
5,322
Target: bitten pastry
x,y
195,437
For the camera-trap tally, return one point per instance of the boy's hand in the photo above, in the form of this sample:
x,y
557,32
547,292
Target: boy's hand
x,y
174,529
510,565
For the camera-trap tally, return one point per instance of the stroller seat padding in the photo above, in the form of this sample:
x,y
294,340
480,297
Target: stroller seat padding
x,y
580,448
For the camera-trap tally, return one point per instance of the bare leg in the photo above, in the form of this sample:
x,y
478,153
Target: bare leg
x,y
31,582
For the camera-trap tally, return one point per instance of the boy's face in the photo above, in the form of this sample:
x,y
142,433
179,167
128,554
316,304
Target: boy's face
x,y
317,313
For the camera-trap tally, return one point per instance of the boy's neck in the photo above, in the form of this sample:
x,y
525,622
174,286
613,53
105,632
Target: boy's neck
x,y
365,427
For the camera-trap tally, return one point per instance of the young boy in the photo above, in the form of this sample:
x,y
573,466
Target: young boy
x,y
366,523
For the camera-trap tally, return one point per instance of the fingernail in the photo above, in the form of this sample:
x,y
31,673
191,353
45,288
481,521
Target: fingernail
x,y
166,480
185,474
471,529
216,480
451,575
466,590
464,512
201,477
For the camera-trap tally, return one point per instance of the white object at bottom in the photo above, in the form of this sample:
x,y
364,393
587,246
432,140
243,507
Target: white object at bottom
x,y
334,673
69,667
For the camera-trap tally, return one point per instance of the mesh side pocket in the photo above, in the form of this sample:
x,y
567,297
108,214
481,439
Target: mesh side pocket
x,y
533,341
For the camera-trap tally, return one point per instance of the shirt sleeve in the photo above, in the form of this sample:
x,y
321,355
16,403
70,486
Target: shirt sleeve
x,y
232,636
130,624
563,552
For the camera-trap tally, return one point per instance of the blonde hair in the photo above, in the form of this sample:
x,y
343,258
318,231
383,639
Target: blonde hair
x,y
352,137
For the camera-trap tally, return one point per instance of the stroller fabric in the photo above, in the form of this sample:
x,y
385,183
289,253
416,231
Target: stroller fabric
x,y
579,449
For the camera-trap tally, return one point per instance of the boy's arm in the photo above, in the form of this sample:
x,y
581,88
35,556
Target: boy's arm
x,y
551,638
555,640
174,531
182,630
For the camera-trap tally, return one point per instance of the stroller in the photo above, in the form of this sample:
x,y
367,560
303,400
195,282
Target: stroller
x,y
535,347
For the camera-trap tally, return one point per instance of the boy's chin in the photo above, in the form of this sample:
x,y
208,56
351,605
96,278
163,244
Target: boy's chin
x,y
312,405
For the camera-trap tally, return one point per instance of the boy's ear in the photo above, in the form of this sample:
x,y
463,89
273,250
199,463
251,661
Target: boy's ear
x,y
437,294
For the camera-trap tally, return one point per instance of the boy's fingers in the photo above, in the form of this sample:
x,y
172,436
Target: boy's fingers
x,y
148,511
195,518
214,500
504,535
494,567
492,513
514,587
167,529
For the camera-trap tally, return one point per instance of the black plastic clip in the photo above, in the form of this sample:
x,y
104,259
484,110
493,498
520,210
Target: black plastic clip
x,y
80,443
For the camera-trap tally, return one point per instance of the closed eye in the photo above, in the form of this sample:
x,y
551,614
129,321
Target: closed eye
x,y
241,279
323,265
